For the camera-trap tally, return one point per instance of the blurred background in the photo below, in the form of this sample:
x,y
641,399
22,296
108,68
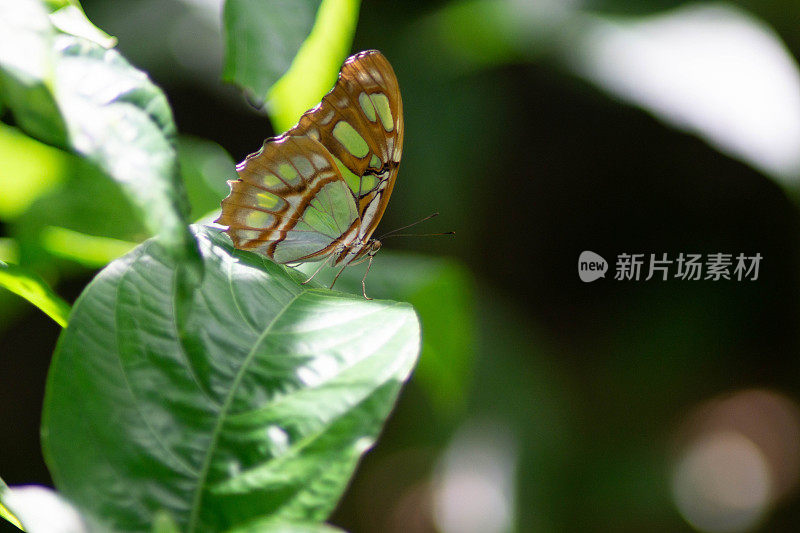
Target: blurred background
x,y
538,129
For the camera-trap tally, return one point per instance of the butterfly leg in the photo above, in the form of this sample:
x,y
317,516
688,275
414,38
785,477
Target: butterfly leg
x,y
337,277
364,279
322,264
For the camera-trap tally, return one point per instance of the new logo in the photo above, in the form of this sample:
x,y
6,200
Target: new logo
x,y
591,266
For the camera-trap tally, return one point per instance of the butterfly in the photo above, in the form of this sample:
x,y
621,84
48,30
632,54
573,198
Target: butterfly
x,y
317,192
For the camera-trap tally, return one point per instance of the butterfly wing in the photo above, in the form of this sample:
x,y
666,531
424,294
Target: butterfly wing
x,y
360,122
326,182
290,202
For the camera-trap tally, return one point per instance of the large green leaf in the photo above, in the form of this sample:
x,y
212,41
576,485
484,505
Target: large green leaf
x,y
259,406
35,290
75,94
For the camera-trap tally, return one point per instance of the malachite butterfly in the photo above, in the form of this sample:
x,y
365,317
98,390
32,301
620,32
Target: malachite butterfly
x,y
317,192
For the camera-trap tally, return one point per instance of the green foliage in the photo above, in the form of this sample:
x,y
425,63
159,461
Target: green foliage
x,y
235,400
262,38
35,290
260,405
659,55
82,202
88,250
593,394
41,170
205,166
75,94
272,54
68,16
314,70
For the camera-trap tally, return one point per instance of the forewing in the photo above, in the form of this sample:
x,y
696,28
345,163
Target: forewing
x,y
290,202
360,122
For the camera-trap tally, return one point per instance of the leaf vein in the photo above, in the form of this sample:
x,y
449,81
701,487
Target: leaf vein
x,y
206,467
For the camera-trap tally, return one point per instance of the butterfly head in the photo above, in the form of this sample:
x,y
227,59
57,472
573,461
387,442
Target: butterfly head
x,y
374,245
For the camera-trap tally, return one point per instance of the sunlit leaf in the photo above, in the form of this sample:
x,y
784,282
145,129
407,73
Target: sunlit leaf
x,y
83,200
441,292
71,19
35,290
54,5
89,250
45,186
8,516
28,169
27,39
314,69
287,52
259,405
75,94
85,204
262,37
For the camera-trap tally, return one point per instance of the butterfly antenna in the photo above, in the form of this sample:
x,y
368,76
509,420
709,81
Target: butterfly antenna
x,y
409,225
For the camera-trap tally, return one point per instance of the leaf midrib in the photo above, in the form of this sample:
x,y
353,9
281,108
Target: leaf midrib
x,y
198,495
308,440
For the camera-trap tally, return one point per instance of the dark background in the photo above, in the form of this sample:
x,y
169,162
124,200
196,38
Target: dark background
x,y
586,390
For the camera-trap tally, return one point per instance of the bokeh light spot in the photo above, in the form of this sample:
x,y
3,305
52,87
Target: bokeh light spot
x,y
738,456
474,489
722,483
